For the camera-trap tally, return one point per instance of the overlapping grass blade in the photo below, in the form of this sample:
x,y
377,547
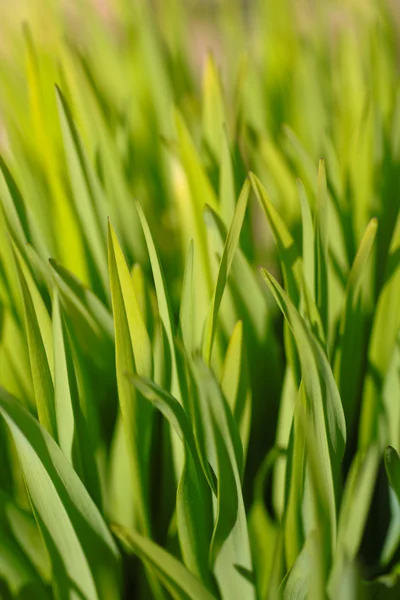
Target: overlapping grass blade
x,y
174,576
40,344
231,243
83,554
193,502
133,355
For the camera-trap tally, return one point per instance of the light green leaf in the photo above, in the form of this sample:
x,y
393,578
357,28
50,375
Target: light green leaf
x,y
354,510
235,384
89,201
305,580
81,548
180,583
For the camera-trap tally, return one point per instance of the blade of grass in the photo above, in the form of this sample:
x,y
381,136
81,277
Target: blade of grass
x,y
231,243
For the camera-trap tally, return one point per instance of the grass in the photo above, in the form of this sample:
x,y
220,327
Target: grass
x,y
199,301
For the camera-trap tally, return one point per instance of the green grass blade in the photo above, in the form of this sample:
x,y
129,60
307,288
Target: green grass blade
x,y
89,201
230,547
346,368
392,466
192,502
40,344
308,238
17,572
187,308
323,399
81,548
173,575
223,273
235,384
354,510
321,248
73,435
133,355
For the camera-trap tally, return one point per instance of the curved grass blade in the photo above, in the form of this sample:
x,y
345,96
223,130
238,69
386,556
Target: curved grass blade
x,y
17,571
164,305
193,502
83,554
24,529
305,580
288,252
173,575
323,400
354,510
290,260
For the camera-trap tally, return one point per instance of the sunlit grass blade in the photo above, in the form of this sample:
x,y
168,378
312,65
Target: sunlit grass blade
x,y
90,204
235,384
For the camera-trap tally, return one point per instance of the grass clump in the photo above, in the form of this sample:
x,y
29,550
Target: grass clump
x,y
199,332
